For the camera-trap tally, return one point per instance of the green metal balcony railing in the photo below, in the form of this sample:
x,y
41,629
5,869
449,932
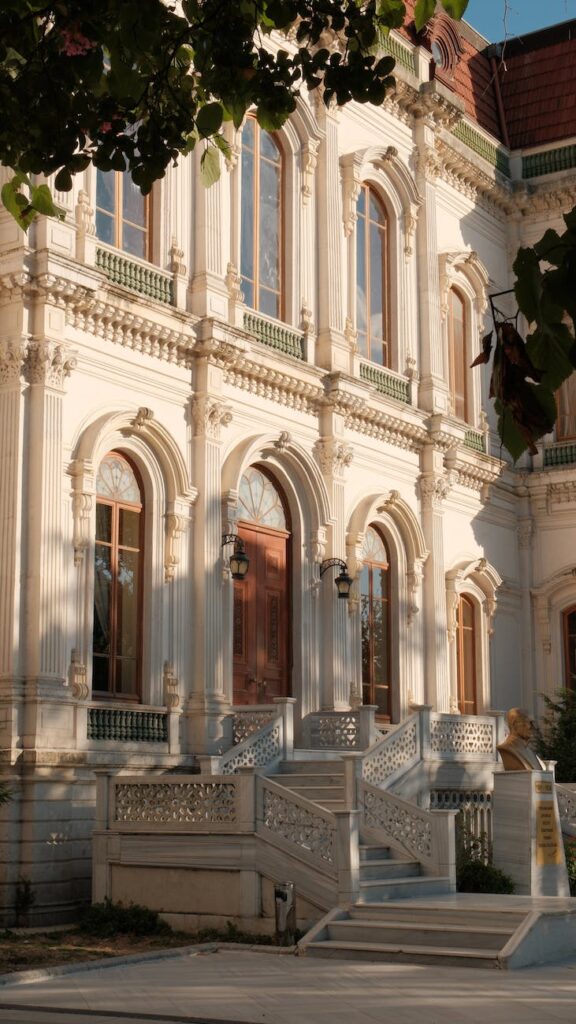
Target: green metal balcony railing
x,y
274,335
480,144
386,383
127,726
475,440
550,161
560,454
138,278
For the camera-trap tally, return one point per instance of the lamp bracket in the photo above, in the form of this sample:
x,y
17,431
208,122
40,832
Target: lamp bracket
x,y
329,563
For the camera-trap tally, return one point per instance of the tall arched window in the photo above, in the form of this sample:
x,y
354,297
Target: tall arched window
x,y
375,600
569,624
261,220
566,404
457,353
372,285
117,633
466,651
122,213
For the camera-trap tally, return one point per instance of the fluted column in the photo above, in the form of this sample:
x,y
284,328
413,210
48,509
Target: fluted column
x,y
434,486
208,291
207,702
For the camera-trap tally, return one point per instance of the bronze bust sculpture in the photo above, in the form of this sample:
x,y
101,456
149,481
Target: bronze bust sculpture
x,y
516,754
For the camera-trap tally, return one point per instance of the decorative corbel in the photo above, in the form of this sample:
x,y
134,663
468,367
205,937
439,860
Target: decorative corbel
x,y
78,677
177,522
352,184
309,162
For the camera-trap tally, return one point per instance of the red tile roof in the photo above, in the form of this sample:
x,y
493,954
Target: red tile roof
x,y
537,78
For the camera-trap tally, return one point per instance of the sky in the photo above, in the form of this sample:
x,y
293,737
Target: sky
x,y
499,19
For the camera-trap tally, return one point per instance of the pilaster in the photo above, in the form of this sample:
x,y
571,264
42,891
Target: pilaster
x,y
208,290
433,390
333,350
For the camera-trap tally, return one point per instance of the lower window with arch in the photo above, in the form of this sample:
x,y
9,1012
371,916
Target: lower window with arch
x,y
375,627
569,643
118,550
466,651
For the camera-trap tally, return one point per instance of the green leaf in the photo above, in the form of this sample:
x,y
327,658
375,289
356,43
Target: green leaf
x,y
42,201
550,349
423,11
509,434
223,146
528,287
209,119
455,8
63,180
210,166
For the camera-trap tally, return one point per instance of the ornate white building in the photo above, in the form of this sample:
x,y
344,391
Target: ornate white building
x,y
284,358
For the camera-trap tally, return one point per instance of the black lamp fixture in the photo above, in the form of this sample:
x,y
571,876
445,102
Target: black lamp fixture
x,y
343,581
239,560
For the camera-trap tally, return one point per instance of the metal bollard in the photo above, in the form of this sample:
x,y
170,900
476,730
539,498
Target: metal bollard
x,y
285,913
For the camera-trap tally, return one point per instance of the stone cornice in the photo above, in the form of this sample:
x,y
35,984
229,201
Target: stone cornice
x,y
477,180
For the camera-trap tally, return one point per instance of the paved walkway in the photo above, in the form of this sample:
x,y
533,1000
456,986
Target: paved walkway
x,y
263,988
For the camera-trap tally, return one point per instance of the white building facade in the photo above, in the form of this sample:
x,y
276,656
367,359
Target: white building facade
x,y
283,357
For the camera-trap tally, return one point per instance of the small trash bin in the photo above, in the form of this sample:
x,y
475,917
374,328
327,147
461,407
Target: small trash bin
x,y
285,913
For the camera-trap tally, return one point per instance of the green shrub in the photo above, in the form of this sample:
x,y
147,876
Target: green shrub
x,y
474,876
570,851
4,794
474,870
108,919
555,740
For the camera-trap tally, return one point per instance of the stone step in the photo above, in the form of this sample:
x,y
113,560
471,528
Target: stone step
x,y
314,767
418,933
369,853
440,914
298,781
462,957
381,890
388,868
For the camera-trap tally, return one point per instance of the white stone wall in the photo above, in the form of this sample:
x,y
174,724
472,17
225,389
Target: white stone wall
x,y
87,366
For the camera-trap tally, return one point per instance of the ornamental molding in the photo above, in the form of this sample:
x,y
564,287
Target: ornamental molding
x,y
563,493
547,197
78,677
209,416
486,187
278,387
478,577
170,685
309,164
12,357
84,214
82,506
48,363
123,327
333,456
452,265
177,265
433,489
177,521
359,166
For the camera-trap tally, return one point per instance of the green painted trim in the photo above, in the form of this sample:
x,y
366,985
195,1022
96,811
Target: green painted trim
x,y
560,454
125,726
475,440
402,55
549,161
275,335
385,383
145,280
489,151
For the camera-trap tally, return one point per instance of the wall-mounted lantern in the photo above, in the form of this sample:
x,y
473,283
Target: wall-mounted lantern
x,y
343,581
239,560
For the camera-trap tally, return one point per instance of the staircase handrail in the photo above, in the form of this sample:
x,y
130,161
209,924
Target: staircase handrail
x,y
395,753
427,836
264,748
566,797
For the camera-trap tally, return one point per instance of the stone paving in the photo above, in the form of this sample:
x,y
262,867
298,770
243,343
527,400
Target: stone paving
x,y
261,988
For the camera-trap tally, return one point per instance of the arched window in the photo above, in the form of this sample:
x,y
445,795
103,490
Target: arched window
x,y
372,286
569,624
117,632
261,221
566,404
466,653
457,353
375,600
122,213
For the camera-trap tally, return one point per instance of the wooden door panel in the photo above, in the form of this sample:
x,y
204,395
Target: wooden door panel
x,y
261,644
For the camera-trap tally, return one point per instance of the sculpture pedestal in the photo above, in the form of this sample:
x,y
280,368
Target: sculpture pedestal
x,y
527,841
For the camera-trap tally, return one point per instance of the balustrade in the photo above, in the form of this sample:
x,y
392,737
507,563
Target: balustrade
x,y
125,725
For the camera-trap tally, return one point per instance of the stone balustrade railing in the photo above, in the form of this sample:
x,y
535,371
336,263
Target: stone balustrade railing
x,y
126,725
473,816
566,797
136,275
249,719
339,730
264,747
183,803
394,753
428,836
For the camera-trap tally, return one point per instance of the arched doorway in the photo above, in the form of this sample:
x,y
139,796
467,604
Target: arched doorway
x,y
375,609
261,645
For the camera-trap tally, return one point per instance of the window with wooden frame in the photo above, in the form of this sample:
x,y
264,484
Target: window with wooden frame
x,y
566,405
372,278
457,360
261,227
569,635
466,654
122,213
118,550
375,610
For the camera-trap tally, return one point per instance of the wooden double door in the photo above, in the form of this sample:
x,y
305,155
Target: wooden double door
x,y
262,619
